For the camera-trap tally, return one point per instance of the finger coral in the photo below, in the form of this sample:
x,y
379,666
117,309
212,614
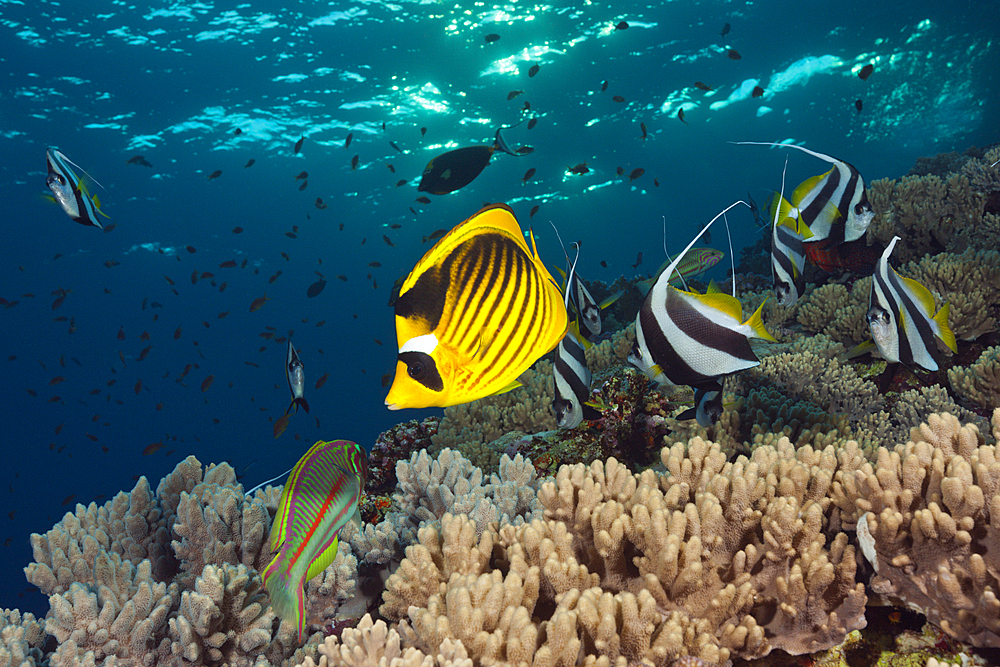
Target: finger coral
x,y
979,382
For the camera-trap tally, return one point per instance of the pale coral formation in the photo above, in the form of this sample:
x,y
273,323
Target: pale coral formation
x,y
836,312
21,639
969,282
932,526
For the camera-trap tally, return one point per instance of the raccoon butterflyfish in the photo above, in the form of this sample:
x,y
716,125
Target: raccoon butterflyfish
x,y
474,313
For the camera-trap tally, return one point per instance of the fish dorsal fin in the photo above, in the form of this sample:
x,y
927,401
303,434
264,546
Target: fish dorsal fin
x,y
671,259
499,142
821,156
807,186
920,294
732,257
63,156
722,302
673,264
713,288
268,481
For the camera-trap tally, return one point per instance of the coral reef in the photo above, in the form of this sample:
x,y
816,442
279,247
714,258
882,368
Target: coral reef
x,y
979,382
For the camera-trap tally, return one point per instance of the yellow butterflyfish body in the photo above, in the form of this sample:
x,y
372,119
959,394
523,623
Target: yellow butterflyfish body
x,y
476,311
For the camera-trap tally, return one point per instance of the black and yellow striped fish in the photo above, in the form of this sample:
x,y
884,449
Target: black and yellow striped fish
x,y
476,311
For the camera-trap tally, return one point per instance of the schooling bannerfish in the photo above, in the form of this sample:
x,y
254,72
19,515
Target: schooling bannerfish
x,y
901,317
690,338
457,168
70,192
474,313
319,498
787,253
834,204
296,377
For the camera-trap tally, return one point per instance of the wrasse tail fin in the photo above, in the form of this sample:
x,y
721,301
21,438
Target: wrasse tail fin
x,y
287,597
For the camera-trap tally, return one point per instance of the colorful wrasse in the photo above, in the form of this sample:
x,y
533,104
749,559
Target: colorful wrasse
x,y
690,264
474,313
832,205
70,192
319,498
901,317
690,338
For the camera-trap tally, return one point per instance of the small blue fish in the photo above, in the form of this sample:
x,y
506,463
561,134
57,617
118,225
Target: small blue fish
x,y
70,192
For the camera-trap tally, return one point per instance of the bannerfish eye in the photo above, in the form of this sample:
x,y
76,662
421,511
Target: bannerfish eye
x,y
57,178
859,208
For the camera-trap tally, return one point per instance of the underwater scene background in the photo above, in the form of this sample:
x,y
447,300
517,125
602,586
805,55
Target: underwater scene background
x,y
129,349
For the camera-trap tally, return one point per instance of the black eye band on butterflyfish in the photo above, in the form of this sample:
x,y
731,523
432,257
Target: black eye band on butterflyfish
x,y
421,367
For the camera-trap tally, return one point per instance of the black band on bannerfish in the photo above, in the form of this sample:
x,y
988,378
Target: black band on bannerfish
x,y
917,317
421,367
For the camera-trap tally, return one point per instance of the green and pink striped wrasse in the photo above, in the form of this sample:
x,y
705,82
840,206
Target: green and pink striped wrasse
x,y
694,263
320,496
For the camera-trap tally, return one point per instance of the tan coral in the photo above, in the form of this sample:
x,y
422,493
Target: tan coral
x,y
980,381
969,282
932,526
21,639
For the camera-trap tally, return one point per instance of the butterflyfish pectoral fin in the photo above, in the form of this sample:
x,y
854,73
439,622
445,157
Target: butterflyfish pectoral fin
x,y
944,331
757,324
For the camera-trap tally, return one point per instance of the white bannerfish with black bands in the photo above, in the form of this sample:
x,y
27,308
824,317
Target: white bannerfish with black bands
x,y
296,376
902,320
788,257
70,193
707,405
572,381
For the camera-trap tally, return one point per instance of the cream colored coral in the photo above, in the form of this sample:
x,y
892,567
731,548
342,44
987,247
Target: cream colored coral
x,y
969,282
21,638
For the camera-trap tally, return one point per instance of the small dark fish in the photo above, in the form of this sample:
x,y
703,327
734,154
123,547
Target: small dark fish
x,y
177,333
619,171
642,126
68,499
733,54
322,380
492,37
347,142
377,264
207,382
215,174
423,131
342,277
237,132
139,160
395,226
144,353
422,200
636,173
304,185
391,168
249,163
298,145
388,241
680,116
152,448
236,230
866,71
858,105
581,168
525,150
434,236
319,203
703,86
512,94
533,70
228,264
618,98
111,263
258,303
121,333
532,122
387,379
393,144
638,261
757,92
604,263
604,85
354,162
191,249
302,174
527,175
401,182
534,210
315,288
725,30
622,25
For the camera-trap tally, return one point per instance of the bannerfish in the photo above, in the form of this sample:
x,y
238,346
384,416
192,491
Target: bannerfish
x,y
691,338
320,496
787,253
457,168
70,192
901,317
572,381
707,405
692,264
832,205
474,313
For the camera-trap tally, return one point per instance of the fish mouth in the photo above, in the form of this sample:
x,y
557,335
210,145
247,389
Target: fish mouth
x,y
392,406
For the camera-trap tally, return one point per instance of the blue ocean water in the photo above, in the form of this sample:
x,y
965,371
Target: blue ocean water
x,y
173,82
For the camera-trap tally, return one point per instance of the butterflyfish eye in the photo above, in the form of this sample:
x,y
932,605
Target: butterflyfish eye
x,y
421,368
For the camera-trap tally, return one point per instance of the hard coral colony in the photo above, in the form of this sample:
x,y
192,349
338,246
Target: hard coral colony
x,y
826,487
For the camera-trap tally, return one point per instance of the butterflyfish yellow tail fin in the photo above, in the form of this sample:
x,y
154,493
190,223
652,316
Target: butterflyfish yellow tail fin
x,y
757,324
944,331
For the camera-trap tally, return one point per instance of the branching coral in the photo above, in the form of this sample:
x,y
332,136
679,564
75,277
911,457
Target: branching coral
x,y
21,639
932,527
968,282
979,382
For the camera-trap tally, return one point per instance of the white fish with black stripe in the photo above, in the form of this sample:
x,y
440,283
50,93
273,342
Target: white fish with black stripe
x,y
70,192
707,405
788,257
832,205
296,376
690,338
901,317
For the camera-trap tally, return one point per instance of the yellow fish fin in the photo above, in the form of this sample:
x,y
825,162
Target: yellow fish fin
x,y
921,294
324,559
611,299
723,303
713,288
859,349
945,332
807,186
757,324
503,390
